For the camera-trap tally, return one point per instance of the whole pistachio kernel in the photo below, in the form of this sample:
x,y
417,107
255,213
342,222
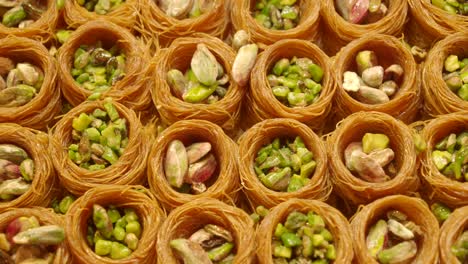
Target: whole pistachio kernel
x,y
100,138
450,156
393,238
277,14
285,165
96,68
296,82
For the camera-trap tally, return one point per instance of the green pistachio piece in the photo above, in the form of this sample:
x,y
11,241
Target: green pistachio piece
x,y
43,235
400,253
372,142
376,238
14,16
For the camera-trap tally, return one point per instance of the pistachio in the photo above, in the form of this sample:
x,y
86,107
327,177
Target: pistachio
x,y
176,163
240,38
441,159
204,65
43,235
389,87
366,59
372,142
12,153
383,157
219,231
14,16
351,82
394,72
351,149
373,17
13,78
27,169
179,8
197,151
243,63
202,170
359,11
102,221
14,187
277,15
377,237
400,230
277,181
28,73
373,76
400,253
367,168
177,81
191,252
221,252
100,56
369,95
9,170
452,63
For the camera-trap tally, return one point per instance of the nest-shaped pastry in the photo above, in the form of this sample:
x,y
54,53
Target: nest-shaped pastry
x,y
308,27
405,103
129,169
224,113
265,132
42,109
45,217
190,217
416,210
35,143
261,103
440,187
125,15
131,90
136,197
438,98
41,30
430,23
334,220
224,186
161,29
338,32
352,129
452,228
